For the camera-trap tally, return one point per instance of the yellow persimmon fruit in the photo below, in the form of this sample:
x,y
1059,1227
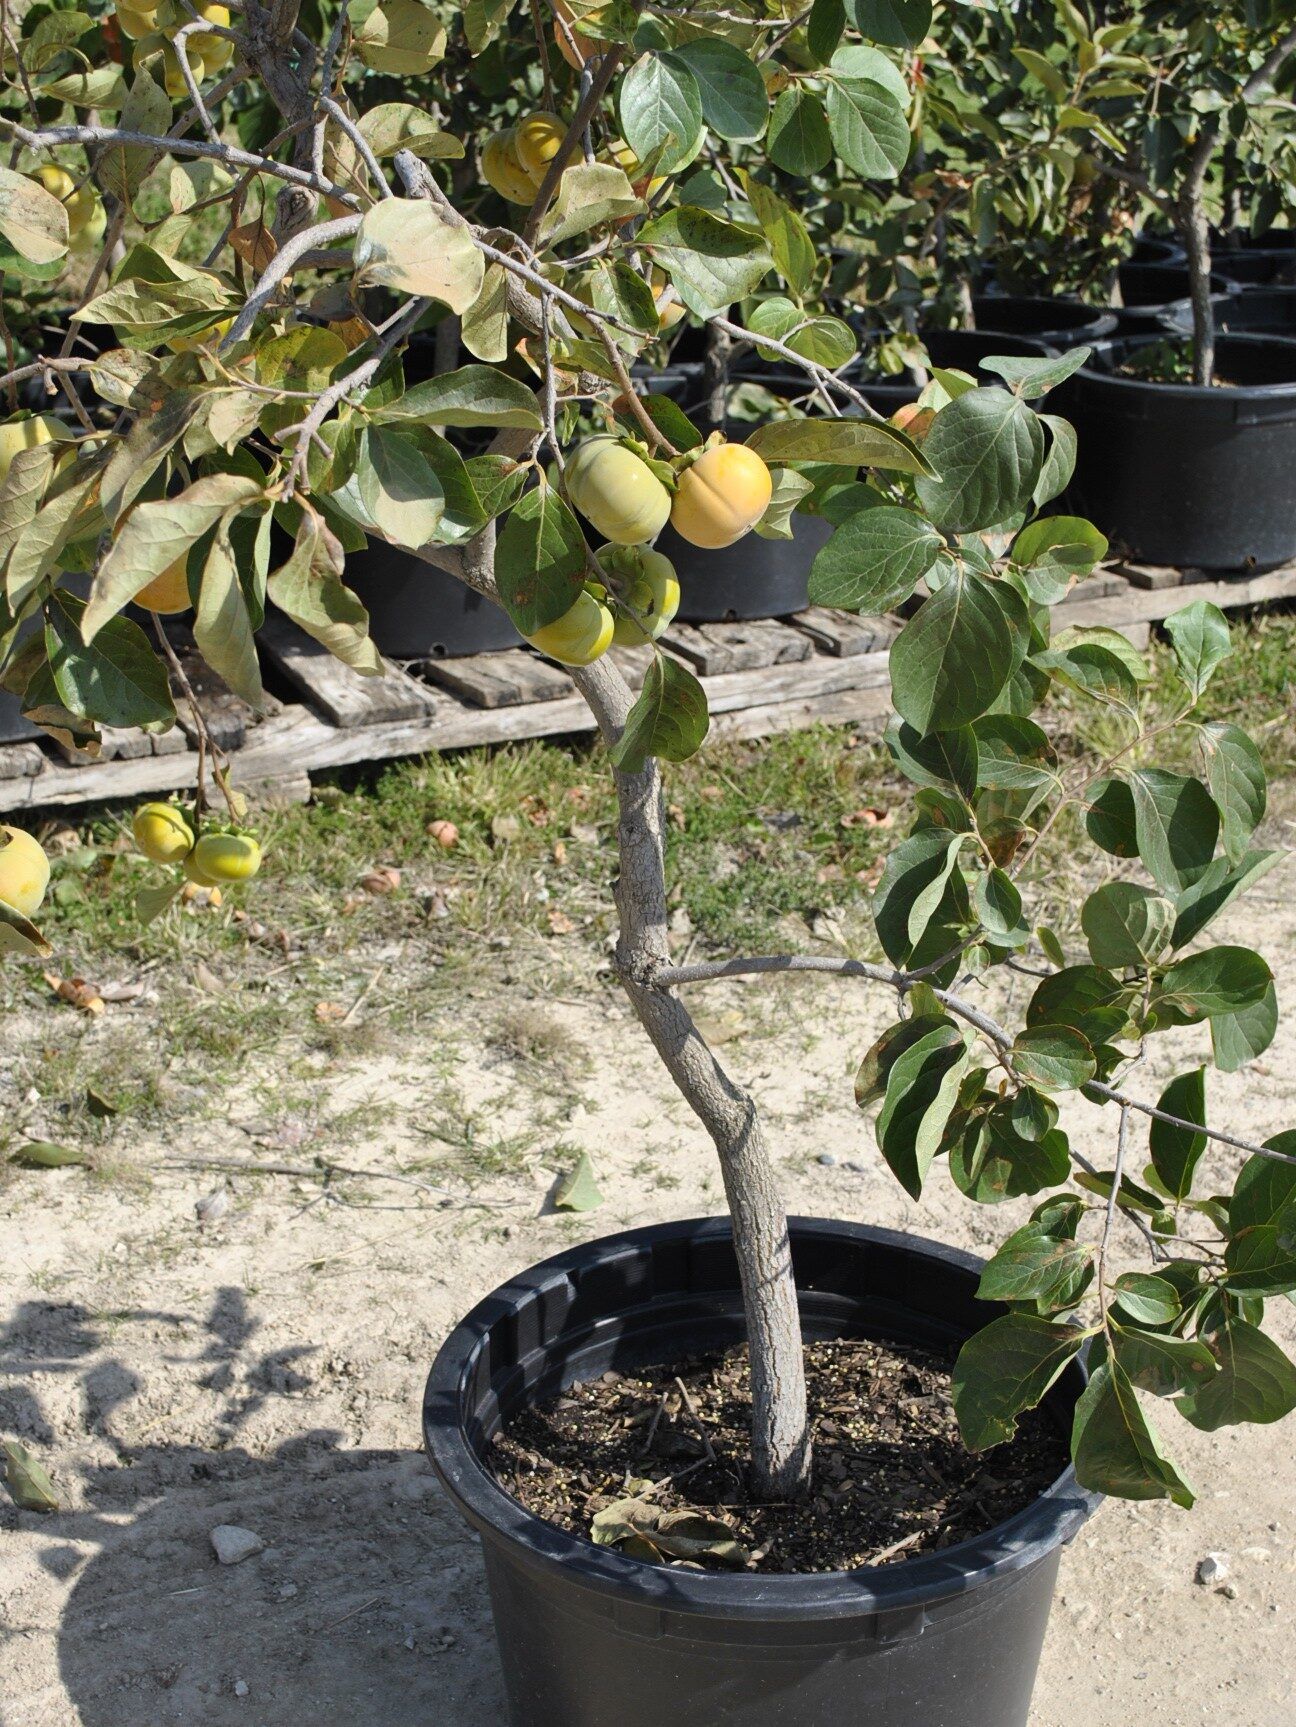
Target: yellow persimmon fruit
x,y
503,171
647,591
162,832
169,592
25,434
721,496
537,138
227,857
24,870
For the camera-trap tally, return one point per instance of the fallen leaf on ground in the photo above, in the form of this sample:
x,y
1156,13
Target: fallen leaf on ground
x,y
76,992
44,1154
642,1530
382,880
578,1190
27,1480
559,922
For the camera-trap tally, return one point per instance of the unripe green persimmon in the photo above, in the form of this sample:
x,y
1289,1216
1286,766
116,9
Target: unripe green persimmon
x,y
162,832
617,491
648,588
580,635
25,434
24,870
226,857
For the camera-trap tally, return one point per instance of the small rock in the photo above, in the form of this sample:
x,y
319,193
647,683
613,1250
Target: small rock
x,y
827,1159
287,1591
240,1687
233,1545
1214,1568
856,1167
1229,1592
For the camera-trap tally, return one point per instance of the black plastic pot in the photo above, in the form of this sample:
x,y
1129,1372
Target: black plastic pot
x,y
14,729
1154,249
1061,323
1253,265
590,1638
1255,311
960,350
417,612
1156,284
1181,475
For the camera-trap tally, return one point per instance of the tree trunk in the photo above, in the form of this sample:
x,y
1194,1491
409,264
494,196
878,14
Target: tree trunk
x,y
715,373
1196,232
780,1436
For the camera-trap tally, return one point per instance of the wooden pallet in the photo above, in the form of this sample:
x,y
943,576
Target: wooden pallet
x,y
818,666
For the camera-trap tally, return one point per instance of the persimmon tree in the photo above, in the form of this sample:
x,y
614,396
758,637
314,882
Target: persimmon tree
x,y
326,312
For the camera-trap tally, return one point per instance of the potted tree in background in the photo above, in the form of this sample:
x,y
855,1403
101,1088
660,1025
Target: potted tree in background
x,y
258,390
1188,445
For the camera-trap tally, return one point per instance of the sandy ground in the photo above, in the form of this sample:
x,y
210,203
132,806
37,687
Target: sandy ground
x,y
265,1370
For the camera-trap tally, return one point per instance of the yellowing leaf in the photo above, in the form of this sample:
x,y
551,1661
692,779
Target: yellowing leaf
x,y
405,243
401,37
33,221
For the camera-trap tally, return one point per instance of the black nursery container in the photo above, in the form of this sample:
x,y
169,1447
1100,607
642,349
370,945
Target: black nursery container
x,y
1185,475
1156,283
590,1638
1254,311
418,612
1059,322
14,729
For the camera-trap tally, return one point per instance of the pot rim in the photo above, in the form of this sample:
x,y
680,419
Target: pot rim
x,y
1049,1521
1225,393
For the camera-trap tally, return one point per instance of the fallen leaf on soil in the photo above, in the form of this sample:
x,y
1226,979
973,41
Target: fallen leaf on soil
x,y
578,1190
722,1027
560,851
381,881
26,1479
643,1530
76,992
505,827
99,1105
559,922
869,817
446,834
326,1012
207,980
121,991
44,1154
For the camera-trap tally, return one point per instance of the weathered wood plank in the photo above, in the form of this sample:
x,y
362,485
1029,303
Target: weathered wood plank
x,y
342,695
712,649
21,761
843,633
1149,605
509,679
125,745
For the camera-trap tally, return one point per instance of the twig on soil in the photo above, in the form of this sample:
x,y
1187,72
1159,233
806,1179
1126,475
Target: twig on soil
x,y
321,1170
696,1419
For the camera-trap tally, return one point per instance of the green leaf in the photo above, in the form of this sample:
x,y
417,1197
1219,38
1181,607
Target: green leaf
x,y
1054,1057
868,128
1054,552
1033,1265
660,109
710,261
308,587
1085,997
406,244
669,718
1160,1363
874,560
590,195
44,1154
1094,669
953,657
987,448
1236,777
1126,924
909,872
1031,379
1261,1253
32,220
1109,818
471,396
824,30
155,534
1217,980
860,62
25,1476
18,934
1006,1368
789,239
1237,1038
799,141
734,102
1176,1151
881,1057
222,627
119,169
842,443
391,126
1000,1162
1059,462
1013,755
578,1190
397,486
1145,1299
895,23
1044,70
997,906
1177,825
1199,635
540,560
941,759
921,1092
1114,1447
1216,888
116,680
1256,1382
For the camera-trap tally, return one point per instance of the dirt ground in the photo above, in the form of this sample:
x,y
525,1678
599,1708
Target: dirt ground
x,y
263,1367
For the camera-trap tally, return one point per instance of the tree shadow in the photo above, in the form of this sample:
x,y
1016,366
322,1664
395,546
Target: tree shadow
x,y
368,1603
